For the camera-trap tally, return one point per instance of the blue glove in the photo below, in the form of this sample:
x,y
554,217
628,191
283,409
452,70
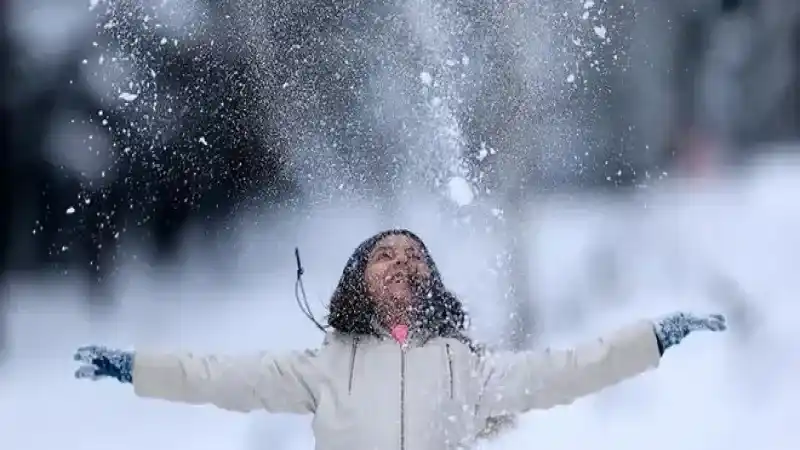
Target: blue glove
x,y
671,329
100,362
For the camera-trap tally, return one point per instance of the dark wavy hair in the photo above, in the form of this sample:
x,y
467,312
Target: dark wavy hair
x,y
352,311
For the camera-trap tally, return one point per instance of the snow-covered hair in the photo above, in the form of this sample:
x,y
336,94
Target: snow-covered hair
x,y
352,311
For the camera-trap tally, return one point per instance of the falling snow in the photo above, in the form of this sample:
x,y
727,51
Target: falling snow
x,y
426,78
600,31
406,123
460,191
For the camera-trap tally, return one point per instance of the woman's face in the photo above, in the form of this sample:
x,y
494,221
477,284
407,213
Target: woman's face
x,y
396,269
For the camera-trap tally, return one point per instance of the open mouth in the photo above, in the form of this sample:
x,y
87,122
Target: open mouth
x,y
399,277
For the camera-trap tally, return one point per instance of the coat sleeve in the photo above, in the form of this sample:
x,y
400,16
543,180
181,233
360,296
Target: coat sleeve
x,y
516,382
277,383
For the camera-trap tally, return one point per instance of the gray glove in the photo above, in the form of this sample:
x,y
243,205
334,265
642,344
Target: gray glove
x,y
100,362
670,330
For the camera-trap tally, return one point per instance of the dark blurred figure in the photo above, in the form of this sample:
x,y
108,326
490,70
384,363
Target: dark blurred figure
x,y
729,6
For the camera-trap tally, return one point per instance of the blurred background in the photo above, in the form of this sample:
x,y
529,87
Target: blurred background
x,y
573,165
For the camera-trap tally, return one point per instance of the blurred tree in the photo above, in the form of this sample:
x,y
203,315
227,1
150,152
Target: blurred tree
x,y
522,327
504,150
8,122
187,151
730,79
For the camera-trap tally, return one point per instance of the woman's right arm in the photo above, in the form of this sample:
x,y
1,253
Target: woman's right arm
x,y
280,383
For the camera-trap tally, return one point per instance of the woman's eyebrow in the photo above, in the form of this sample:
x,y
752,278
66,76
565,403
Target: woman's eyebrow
x,y
381,248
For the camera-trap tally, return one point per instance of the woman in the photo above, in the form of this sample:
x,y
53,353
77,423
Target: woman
x,y
397,370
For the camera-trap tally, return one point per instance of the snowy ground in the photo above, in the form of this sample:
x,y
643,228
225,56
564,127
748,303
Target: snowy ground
x,y
713,393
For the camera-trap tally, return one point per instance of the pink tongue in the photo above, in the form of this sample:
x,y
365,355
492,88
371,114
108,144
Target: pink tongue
x,y
400,333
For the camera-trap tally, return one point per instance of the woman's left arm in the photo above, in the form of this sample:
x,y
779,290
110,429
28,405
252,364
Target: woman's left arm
x,y
516,382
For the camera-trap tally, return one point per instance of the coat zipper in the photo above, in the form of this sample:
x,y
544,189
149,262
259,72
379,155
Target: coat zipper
x,y
352,366
450,369
403,398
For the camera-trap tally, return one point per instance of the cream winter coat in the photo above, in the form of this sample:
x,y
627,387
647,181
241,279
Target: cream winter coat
x,y
370,393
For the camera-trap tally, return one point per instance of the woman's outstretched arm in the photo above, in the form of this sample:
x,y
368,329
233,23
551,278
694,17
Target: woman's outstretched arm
x,y
282,383
516,382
